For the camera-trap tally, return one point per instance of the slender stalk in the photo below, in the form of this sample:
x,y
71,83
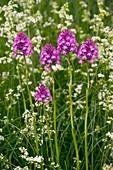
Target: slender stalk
x,y
49,133
71,116
92,145
86,117
32,109
55,129
21,87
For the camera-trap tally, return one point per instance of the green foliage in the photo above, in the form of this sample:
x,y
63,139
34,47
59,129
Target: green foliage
x,y
42,21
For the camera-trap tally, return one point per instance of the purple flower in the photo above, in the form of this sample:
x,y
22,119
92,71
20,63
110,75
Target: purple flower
x,y
49,56
67,42
22,45
88,52
43,94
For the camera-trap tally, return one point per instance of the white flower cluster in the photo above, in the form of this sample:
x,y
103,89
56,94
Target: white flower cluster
x,y
78,90
110,135
1,138
5,75
28,120
37,160
97,22
57,67
5,164
38,1
21,168
46,78
107,167
54,7
19,21
66,19
37,40
109,120
85,12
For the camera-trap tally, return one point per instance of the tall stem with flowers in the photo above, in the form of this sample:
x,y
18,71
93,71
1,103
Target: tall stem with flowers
x,y
88,52
23,47
50,56
66,44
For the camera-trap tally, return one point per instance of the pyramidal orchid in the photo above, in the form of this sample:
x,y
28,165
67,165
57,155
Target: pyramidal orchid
x,y
22,45
88,52
67,42
49,56
43,94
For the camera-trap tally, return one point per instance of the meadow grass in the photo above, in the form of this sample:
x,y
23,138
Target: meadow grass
x,y
75,129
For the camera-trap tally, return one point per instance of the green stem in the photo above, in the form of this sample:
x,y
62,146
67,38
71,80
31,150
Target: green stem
x,y
21,87
86,117
32,109
49,134
55,129
71,116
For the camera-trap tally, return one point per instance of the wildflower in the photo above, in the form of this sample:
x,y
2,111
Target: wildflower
x,y
88,52
22,45
67,42
49,56
43,94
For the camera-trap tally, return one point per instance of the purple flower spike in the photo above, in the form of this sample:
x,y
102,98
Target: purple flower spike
x,y
88,52
43,94
22,45
67,42
49,56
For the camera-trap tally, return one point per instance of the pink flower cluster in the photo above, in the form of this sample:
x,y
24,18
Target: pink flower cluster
x,y
22,45
88,52
67,42
49,56
43,94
